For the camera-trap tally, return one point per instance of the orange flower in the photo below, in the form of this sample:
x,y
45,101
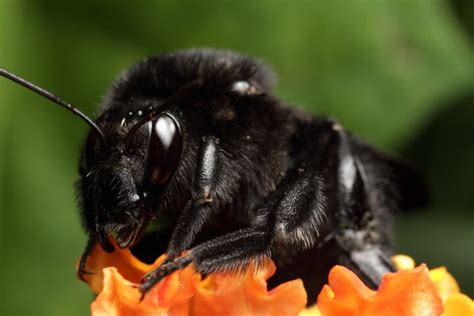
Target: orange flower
x,y
408,292
455,303
184,292
411,291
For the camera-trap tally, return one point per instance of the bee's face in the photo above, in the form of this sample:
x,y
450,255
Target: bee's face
x,y
141,154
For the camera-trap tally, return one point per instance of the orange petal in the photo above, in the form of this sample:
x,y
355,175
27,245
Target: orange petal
x,y
121,297
246,294
118,297
184,293
127,265
345,295
408,292
441,278
328,305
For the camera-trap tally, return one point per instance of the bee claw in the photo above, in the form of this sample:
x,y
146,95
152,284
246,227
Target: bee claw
x,y
143,288
151,279
142,296
82,273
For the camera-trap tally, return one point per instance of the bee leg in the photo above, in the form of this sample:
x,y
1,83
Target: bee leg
x,y
361,229
290,216
231,252
81,270
198,209
370,264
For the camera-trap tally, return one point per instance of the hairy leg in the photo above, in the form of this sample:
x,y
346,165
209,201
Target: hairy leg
x,y
198,209
360,230
231,252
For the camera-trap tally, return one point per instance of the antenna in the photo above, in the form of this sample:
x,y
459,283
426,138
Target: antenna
x,y
30,86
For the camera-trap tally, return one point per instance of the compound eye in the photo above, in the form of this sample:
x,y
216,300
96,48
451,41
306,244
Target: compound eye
x,y
165,149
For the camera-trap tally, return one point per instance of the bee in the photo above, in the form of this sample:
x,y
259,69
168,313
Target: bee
x,y
195,145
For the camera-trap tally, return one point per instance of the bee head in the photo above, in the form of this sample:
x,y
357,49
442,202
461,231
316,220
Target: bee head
x,y
142,154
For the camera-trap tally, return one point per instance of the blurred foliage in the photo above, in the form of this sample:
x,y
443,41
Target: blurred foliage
x,y
399,73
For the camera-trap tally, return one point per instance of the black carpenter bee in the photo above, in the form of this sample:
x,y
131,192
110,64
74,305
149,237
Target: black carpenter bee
x,y
195,144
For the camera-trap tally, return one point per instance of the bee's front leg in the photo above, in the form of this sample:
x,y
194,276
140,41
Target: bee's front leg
x,y
231,251
199,208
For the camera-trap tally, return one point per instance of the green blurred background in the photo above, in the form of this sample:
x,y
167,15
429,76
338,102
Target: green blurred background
x,y
398,73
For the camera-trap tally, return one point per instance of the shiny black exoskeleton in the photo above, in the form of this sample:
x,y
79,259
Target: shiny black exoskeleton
x,y
195,144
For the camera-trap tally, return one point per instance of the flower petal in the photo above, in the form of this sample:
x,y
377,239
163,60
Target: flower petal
x,y
184,293
403,262
408,292
310,311
127,265
247,294
458,305
444,282
118,297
